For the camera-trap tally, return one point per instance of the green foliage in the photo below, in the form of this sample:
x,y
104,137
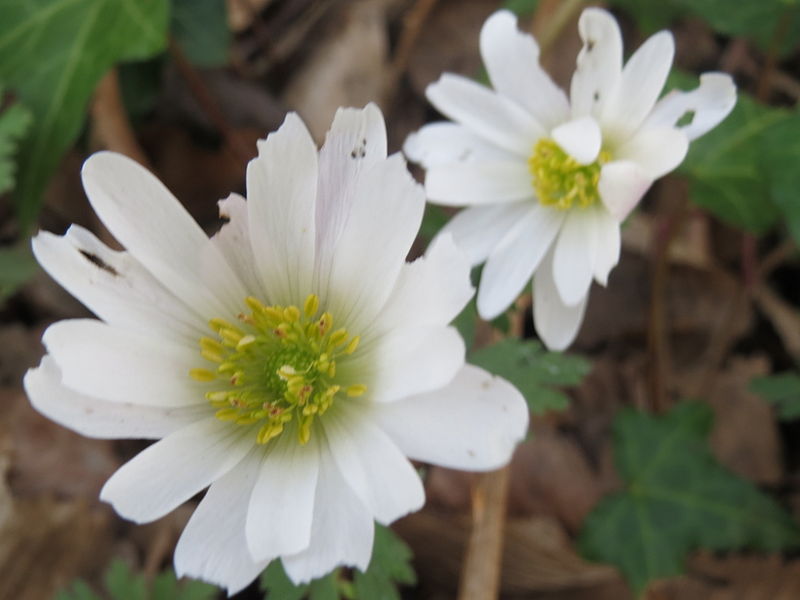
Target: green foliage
x,y
123,584
533,370
14,123
521,7
762,21
744,171
433,220
677,497
201,29
389,567
782,390
52,54
17,265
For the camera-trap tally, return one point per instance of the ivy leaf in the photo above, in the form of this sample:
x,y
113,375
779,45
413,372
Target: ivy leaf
x,y
14,124
782,390
52,54
390,566
533,370
677,497
201,29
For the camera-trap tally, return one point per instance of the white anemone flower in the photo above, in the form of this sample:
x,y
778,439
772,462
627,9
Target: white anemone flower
x,y
548,179
294,362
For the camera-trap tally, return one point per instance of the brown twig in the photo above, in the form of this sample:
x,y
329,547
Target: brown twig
x,y
412,27
209,105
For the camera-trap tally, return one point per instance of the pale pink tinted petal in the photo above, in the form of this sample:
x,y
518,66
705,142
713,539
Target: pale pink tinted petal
x,y
512,60
491,116
474,423
460,184
445,143
513,261
555,322
281,507
166,474
341,533
708,104
373,466
212,546
656,150
599,64
580,138
622,184
158,232
574,256
97,418
281,195
477,230
639,87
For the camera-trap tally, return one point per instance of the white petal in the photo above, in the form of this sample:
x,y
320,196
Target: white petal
x,y
574,256
580,138
114,285
412,360
281,506
512,61
356,141
656,150
341,533
281,193
599,64
432,290
384,219
556,323
639,87
622,184
515,258
373,466
473,424
99,419
478,229
233,241
608,245
158,232
709,103
212,546
122,366
446,143
458,184
491,116
166,474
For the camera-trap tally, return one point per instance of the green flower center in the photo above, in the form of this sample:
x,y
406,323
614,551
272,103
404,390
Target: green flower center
x,y
275,367
560,181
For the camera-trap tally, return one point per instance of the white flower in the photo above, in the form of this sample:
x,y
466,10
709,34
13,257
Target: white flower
x,y
292,362
549,179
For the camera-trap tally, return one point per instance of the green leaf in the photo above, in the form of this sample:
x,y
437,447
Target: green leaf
x,y
521,8
14,123
79,590
390,566
677,497
782,390
277,585
201,29
123,584
729,169
167,587
533,370
651,16
17,266
433,220
52,54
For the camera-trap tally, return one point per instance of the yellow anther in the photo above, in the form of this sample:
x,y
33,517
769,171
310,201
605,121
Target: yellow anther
x,y
338,337
286,372
332,370
212,356
202,375
356,390
274,313
246,341
325,323
232,336
218,396
227,414
291,314
352,345
211,345
311,305
254,304
304,429
217,324
268,431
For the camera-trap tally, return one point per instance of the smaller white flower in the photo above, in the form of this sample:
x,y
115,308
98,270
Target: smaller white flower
x,y
548,179
292,362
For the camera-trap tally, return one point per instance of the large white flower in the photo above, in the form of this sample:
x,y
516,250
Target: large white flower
x,y
549,179
293,362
